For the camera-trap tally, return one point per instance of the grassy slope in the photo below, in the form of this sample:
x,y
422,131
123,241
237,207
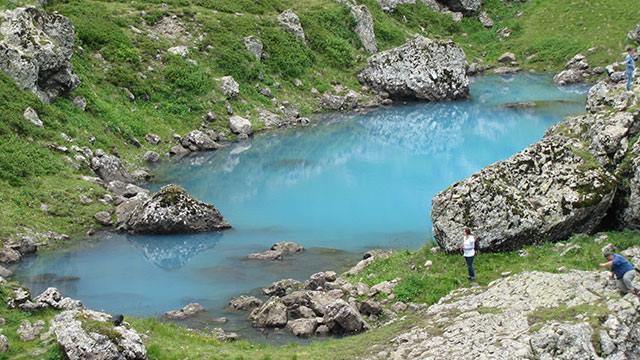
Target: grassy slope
x,y
180,92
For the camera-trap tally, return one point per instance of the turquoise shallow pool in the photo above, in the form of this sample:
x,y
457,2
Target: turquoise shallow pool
x,y
347,183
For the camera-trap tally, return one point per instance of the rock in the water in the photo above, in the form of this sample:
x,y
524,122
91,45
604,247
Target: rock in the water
x,y
110,168
364,27
272,314
291,23
254,46
186,312
282,287
4,272
32,116
287,247
78,343
266,255
229,87
240,125
421,69
245,303
342,318
36,49
172,210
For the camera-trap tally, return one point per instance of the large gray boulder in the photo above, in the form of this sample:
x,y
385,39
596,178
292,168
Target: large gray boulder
x,y
566,183
273,314
109,168
291,23
35,51
422,69
549,191
254,46
342,318
229,86
80,342
364,27
172,210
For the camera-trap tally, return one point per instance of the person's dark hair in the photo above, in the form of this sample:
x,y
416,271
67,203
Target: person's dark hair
x,y
467,231
630,48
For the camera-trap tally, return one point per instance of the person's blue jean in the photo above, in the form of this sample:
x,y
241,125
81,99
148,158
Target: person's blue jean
x,y
472,273
629,79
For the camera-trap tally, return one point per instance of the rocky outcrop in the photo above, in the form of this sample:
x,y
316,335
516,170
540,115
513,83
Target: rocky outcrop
x,y
35,51
420,69
339,103
566,183
110,168
80,340
171,210
51,298
524,316
229,87
364,27
546,192
291,23
574,72
245,303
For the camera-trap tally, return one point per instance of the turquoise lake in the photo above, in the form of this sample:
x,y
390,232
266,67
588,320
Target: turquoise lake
x,y
344,184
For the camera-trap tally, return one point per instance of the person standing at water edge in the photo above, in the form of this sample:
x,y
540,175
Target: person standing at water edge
x,y
468,249
631,65
622,269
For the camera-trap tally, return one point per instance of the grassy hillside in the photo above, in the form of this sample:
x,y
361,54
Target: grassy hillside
x,y
114,52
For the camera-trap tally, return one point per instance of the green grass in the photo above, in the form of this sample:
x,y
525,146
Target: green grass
x,y
172,94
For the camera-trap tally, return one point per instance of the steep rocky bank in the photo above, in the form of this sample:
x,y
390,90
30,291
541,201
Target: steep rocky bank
x,y
566,183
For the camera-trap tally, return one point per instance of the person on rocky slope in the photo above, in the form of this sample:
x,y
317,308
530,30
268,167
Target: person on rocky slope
x,y
468,249
622,269
630,65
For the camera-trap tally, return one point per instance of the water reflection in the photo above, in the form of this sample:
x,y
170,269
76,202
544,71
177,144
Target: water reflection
x,y
172,252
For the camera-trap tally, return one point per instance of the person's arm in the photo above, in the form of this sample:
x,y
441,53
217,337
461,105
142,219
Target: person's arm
x,y
607,265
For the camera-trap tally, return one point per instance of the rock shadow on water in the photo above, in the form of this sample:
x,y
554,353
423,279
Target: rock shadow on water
x,y
172,252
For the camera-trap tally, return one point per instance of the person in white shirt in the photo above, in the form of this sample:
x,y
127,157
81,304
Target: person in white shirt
x,y
468,249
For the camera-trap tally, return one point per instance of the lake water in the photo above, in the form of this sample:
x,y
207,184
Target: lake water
x,y
341,186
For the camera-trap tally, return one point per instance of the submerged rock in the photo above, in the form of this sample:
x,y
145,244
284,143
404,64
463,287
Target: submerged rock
x,y
104,341
172,210
420,69
277,251
36,49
